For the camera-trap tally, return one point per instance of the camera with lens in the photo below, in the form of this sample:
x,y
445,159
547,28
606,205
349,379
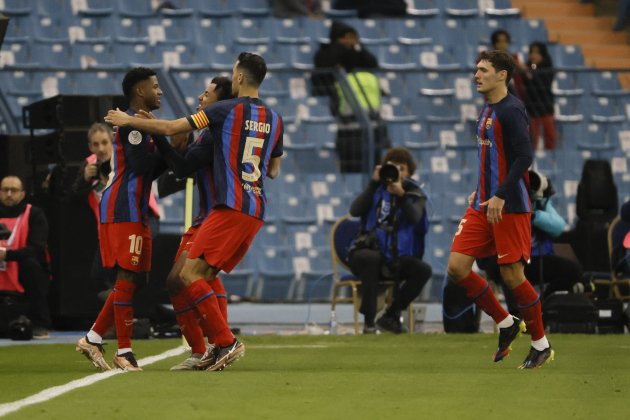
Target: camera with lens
x,y
102,169
5,232
389,173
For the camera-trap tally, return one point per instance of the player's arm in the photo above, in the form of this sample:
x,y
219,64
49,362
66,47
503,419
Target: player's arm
x,y
274,167
154,126
182,166
516,130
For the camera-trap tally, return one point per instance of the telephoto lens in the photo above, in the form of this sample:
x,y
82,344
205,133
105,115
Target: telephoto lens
x,y
389,173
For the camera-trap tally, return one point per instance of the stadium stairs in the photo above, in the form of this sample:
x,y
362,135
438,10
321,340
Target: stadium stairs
x,y
573,22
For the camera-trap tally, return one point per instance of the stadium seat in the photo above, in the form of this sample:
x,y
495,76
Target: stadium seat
x,y
20,29
566,57
136,9
93,8
424,8
276,280
253,7
567,83
606,83
215,8
13,8
291,31
461,8
98,56
395,57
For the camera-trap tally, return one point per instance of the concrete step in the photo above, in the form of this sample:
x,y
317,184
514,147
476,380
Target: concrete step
x,y
605,37
535,9
611,51
579,23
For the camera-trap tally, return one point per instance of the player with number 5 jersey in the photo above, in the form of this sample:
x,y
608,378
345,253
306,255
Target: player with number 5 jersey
x,y
247,148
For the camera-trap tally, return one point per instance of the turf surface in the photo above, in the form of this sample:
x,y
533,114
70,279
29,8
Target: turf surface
x,y
367,377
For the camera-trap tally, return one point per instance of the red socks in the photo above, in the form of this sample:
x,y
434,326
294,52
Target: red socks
x,y
529,306
210,318
478,290
219,290
105,319
123,312
187,320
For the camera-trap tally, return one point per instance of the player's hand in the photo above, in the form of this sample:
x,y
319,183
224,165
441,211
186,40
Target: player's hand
x,y
3,254
493,212
180,142
89,172
117,117
471,198
396,188
375,174
146,115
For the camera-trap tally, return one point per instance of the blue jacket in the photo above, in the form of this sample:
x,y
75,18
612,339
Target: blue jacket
x,y
546,225
411,219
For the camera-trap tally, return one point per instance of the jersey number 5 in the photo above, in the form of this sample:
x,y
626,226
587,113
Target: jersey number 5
x,y
135,246
460,227
249,157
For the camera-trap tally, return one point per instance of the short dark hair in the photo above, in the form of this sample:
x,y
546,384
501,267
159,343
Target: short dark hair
x,y
500,60
135,76
494,38
223,87
254,67
401,155
19,178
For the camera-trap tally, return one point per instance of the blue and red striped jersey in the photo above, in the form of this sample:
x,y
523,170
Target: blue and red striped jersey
x,y
205,187
505,154
134,159
247,134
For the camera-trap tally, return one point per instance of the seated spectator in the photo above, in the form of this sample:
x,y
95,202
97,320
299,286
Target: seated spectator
x,y
549,271
623,13
539,100
621,243
23,265
289,9
391,243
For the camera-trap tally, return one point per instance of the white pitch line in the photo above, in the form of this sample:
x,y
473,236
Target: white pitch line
x,y
55,391
289,346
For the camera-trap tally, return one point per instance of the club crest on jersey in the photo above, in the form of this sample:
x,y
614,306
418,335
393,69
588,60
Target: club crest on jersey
x,y
135,137
135,260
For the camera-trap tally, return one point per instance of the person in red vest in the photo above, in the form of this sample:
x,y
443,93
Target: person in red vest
x,y
23,266
91,181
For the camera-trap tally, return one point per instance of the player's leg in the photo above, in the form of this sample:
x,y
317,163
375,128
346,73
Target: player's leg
x,y
472,240
513,242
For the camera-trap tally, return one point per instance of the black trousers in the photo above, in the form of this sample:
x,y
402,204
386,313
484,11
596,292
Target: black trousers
x,y
34,278
367,265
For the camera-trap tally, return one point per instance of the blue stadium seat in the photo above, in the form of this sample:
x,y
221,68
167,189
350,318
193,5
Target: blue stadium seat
x,y
215,8
294,209
17,55
93,8
434,57
271,235
21,29
253,7
567,83
372,31
291,31
301,56
53,8
525,31
13,8
92,29
55,56
436,109
252,31
424,8
99,56
395,57
461,8
604,109
136,8
239,282
131,30
606,83
215,31
401,132
53,28
410,31
320,133
566,57
137,54
276,274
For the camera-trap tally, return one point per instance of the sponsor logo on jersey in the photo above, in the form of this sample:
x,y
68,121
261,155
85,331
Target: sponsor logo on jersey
x,y
485,142
249,187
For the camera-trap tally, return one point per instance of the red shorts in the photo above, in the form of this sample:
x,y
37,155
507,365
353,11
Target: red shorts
x,y
187,240
224,238
126,245
510,239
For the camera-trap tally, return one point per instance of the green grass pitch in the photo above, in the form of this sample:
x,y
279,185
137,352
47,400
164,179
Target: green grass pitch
x,y
337,377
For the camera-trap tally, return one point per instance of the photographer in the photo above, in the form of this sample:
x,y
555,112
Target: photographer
x,y
550,271
391,242
23,265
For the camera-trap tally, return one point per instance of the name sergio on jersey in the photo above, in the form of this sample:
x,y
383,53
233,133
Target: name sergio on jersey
x,y
485,142
256,126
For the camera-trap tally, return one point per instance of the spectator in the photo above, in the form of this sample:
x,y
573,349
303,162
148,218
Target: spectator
x,y
23,265
621,243
537,79
391,243
346,52
289,9
550,271
501,41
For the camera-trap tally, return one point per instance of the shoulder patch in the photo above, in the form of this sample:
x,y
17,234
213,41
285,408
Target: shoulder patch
x,y
135,137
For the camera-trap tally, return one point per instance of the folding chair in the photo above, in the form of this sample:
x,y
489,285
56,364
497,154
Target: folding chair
x,y
616,232
341,236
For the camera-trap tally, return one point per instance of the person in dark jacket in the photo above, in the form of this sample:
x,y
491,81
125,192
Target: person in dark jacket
x,y
344,50
393,214
539,99
23,265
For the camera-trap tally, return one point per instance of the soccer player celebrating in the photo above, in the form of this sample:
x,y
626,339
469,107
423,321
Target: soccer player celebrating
x,y
197,159
497,222
125,239
247,147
